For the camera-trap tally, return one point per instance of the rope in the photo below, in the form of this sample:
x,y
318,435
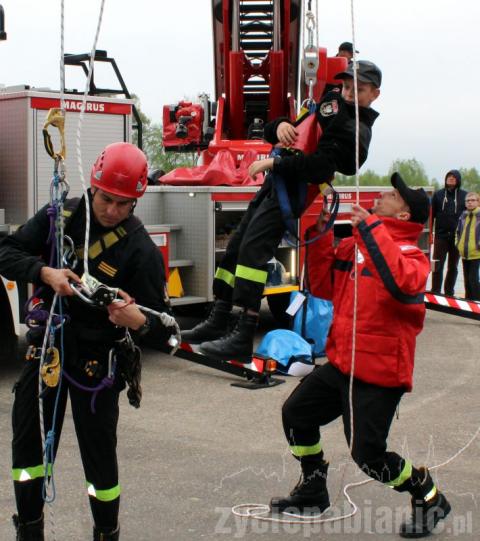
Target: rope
x,y
79,145
55,238
62,55
355,263
106,383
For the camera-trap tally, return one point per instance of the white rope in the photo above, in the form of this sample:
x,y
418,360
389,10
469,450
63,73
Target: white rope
x,y
62,55
167,321
79,145
40,380
355,262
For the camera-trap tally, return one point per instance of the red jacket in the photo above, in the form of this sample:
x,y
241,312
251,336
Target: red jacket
x,y
390,311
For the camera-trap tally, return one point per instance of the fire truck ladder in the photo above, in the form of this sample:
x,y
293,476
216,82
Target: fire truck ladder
x,y
255,36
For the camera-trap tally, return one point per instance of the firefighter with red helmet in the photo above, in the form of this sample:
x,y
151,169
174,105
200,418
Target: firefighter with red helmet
x,y
121,255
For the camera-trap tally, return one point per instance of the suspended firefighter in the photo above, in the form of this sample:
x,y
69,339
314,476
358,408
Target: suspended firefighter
x,y
92,358
242,273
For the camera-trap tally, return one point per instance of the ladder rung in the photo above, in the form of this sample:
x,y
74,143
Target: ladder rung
x,y
264,46
260,17
256,36
256,27
256,8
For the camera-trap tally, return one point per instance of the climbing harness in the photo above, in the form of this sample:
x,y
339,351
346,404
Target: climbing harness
x,y
308,123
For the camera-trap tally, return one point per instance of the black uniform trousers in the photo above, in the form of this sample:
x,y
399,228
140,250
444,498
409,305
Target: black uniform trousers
x,y
96,435
442,248
242,272
322,397
471,269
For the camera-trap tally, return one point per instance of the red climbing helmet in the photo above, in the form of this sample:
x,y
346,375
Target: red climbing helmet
x,y
121,169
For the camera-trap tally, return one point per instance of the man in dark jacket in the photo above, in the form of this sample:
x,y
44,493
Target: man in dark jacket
x,y
447,207
241,275
94,345
391,272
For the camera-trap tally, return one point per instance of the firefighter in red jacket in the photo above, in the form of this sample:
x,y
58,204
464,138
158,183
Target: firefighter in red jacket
x,y
391,272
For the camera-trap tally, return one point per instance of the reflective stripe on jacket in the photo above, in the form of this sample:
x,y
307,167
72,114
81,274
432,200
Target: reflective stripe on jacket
x,y
468,234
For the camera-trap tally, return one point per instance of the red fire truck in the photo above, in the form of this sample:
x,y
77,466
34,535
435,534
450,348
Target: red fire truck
x,y
261,72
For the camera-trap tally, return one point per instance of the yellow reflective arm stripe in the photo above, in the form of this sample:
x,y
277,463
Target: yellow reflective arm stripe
x,y
107,495
254,275
405,474
225,276
306,450
31,473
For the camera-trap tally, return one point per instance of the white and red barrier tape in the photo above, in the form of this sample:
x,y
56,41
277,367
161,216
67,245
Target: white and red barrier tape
x,y
452,305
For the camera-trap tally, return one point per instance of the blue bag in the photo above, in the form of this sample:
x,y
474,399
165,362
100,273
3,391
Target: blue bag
x,y
312,321
292,353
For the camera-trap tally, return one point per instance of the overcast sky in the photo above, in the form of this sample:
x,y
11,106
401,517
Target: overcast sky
x,y
427,49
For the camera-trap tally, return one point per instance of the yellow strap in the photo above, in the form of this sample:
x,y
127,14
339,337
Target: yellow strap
x,y
55,118
103,243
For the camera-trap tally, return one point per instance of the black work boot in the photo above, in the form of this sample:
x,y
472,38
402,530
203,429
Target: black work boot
x,y
215,326
236,345
429,506
29,531
106,534
310,494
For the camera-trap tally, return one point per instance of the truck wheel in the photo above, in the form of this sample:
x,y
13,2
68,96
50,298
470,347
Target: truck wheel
x,y
278,304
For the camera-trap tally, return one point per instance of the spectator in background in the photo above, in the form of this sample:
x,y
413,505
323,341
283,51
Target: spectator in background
x,y
468,245
345,49
447,207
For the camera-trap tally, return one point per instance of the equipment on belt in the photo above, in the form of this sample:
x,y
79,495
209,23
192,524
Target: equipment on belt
x,y
50,368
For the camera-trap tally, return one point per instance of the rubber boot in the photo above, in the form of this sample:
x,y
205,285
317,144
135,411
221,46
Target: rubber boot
x,y
236,345
106,534
310,495
215,326
29,531
429,506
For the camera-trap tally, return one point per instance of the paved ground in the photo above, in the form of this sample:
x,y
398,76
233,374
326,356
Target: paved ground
x,y
198,446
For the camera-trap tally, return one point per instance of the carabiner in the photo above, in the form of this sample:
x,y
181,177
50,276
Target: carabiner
x,y
55,118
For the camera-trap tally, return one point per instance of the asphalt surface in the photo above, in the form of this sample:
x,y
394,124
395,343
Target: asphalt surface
x,y
198,446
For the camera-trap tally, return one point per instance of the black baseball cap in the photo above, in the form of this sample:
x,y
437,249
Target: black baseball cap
x,y
417,200
346,46
367,72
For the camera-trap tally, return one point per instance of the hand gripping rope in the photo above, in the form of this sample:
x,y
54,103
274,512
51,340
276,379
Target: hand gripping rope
x,y
258,511
99,295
